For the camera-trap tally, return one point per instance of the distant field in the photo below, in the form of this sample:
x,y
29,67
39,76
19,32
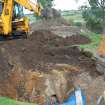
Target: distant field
x,y
75,17
7,101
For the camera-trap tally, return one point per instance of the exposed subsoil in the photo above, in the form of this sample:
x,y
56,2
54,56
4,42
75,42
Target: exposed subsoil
x,y
42,51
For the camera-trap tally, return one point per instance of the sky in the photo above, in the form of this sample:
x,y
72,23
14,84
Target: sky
x,y
65,4
68,4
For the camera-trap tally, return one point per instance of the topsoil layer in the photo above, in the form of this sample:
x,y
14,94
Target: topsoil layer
x,y
43,49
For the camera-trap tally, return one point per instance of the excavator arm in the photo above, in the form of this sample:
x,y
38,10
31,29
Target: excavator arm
x,y
35,7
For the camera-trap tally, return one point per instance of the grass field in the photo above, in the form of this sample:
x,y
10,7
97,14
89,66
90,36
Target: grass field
x,y
74,18
7,101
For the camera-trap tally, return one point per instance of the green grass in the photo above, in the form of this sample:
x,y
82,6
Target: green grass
x,y
95,41
7,101
74,18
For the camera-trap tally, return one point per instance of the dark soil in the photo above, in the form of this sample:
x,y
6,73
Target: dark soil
x,y
43,49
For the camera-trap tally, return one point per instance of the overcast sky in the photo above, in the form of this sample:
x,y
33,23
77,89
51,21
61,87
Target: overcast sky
x,y
68,4
65,4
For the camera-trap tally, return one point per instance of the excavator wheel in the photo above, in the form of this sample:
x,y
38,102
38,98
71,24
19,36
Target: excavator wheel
x,y
20,35
14,36
5,38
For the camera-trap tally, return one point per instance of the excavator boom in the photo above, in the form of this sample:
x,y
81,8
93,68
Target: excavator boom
x,y
35,7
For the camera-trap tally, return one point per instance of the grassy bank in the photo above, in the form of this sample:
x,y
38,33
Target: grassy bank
x,y
95,41
7,101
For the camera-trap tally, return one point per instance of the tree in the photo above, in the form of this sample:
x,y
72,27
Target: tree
x,y
48,11
46,3
94,14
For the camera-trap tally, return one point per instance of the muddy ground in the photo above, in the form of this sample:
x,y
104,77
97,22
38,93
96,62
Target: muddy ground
x,y
44,47
44,60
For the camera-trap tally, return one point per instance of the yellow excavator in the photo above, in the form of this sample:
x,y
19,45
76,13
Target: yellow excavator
x,y
12,19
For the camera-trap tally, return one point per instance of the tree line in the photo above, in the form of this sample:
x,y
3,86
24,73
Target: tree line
x,y
94,15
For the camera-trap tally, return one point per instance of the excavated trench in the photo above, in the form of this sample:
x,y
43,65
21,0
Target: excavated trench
x,y
46,64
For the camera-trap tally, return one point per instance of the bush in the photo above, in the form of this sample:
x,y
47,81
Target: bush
x,y
95,25
78,24
94,19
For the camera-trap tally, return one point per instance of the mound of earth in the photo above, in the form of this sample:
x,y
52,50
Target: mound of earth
x,y
44,47
43,51
49,23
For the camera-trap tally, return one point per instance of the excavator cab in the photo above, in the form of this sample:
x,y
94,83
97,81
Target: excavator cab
x,y
19,21
17,11
0,8
0,16
12,19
